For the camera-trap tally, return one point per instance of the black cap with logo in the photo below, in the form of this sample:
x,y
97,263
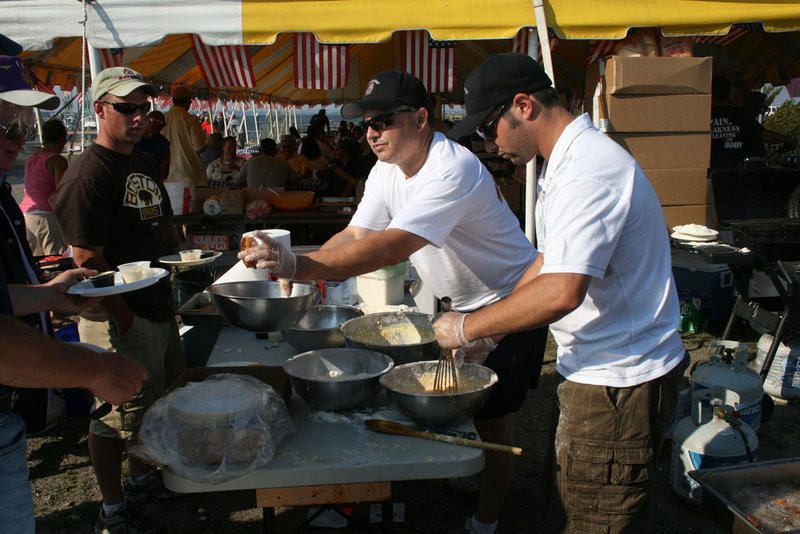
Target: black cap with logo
x,y
494,83
387,90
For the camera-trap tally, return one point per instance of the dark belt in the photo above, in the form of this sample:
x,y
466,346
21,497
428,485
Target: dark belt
x,y
7,401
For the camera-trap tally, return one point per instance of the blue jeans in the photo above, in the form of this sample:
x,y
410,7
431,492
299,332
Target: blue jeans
x,y
16,504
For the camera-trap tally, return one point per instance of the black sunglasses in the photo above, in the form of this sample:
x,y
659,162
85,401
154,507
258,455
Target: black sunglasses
x,y
15,131
384,120
127,108
488,130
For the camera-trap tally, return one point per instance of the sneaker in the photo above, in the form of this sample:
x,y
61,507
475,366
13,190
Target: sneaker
x,y
151,487
470,529
125,521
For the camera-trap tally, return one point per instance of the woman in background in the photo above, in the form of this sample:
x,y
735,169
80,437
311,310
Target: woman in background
x,y
43,170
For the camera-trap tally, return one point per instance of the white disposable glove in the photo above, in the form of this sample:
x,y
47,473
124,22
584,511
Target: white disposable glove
x,y
449,328
271,255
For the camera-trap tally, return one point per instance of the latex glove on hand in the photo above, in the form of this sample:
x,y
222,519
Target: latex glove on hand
x,y
449,329
271,255
478,350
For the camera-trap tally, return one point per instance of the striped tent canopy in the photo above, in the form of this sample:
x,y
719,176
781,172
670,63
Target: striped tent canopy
x,y
156,38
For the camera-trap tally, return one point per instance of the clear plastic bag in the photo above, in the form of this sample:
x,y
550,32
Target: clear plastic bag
x,y
215,430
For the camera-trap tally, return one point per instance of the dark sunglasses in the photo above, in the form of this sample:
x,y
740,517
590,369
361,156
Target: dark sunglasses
x,y
15,131
488,130
127,108
384,120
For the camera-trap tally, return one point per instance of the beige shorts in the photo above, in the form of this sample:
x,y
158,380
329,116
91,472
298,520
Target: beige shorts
x,y
158,347
43,234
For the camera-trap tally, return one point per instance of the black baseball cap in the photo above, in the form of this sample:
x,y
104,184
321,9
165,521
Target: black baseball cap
x,y
494,83
387,90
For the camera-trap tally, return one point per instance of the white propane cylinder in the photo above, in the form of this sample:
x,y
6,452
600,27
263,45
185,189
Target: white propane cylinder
x,y
783,378
705,440
736,376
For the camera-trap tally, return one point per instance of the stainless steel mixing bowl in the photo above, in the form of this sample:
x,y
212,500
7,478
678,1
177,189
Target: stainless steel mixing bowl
x,y
259,306
337,379
319,328
409,387
405,336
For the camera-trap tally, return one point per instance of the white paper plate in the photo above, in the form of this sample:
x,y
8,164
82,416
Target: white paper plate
x,y
175,259
685,237
696,230
86,289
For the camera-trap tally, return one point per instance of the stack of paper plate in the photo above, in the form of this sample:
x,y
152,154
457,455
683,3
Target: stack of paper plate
x,y
693,232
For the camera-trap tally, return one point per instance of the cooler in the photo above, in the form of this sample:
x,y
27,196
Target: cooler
x,y
709,284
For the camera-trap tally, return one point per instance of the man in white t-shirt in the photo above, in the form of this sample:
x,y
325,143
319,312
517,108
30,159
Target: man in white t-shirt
x,y
603,282
431,200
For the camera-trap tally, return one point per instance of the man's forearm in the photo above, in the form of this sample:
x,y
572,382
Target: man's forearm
x,y
31,359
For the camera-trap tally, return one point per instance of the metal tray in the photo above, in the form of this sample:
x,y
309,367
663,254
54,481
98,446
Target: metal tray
x,y
199,311
718,483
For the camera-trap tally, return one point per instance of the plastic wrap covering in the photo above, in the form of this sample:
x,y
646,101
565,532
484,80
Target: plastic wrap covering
x,y
215,430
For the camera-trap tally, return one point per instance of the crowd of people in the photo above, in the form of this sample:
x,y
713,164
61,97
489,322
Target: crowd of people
x,y
426,197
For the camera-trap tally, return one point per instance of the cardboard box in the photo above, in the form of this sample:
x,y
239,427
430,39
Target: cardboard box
x,y
667,150
678,215
679,186
274,376
653,113
649,76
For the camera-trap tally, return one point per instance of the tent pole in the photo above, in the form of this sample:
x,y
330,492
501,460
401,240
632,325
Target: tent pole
x,y
540,38
530,167
255,118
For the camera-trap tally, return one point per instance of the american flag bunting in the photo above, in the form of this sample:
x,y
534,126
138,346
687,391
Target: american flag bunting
x,y
110,57
433,62
319,66
224,66
520,42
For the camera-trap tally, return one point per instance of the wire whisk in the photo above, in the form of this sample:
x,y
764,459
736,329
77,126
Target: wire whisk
x,y
446,378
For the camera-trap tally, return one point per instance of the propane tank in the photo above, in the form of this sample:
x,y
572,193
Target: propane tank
x,y
783,379
710,437
729,370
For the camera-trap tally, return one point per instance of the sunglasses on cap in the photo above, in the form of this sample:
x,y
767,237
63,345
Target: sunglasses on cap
x,y
17,121
15,131
126,108
488,130
384,120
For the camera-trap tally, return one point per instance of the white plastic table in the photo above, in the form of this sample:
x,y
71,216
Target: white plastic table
x,y
332,458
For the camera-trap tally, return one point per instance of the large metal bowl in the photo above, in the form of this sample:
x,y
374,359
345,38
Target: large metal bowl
x,y
410,387
259,306
405,336
337,379
319,328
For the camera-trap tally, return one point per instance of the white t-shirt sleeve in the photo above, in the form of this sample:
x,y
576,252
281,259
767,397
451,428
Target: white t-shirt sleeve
x,y
372,212
583,223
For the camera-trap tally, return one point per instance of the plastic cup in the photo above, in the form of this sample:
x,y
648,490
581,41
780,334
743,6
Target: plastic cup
x,y
134,271
190,255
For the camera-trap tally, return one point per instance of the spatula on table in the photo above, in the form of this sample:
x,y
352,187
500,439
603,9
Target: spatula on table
x,y
392,427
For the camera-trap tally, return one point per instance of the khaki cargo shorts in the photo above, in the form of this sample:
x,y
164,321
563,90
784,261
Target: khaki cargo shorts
x,y
158,347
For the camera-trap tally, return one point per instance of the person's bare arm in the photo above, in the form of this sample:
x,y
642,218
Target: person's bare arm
x,y
358,256
92,258
544,300
58,166
34,360
531,273
350,233
51,296
350,258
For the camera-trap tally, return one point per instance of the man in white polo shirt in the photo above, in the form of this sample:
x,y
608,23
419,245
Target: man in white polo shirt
x,y
603,282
